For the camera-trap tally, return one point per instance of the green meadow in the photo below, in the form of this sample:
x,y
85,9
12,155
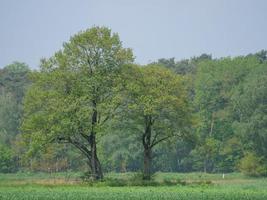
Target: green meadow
x,y
191,186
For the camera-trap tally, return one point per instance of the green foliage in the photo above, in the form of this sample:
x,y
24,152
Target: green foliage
x,y
14,80
252,165
159,94
76,93
13,84
250,106
228,98
156,100
120,151
183,67
90,91
60,102
10,118
219,85
6,159
231,153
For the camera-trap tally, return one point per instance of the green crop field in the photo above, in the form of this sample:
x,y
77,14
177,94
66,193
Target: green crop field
x,y
191,186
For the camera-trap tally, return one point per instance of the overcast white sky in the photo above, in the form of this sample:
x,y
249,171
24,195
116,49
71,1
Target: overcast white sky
x,y
32,29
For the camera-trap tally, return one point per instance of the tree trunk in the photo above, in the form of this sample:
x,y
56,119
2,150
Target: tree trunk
x,y
147,164
96,169
147,149
205,166
212,124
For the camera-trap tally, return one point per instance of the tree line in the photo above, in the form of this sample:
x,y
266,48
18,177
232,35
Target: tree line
x,y
90,107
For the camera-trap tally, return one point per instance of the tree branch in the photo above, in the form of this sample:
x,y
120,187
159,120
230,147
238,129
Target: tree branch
x,y
164,138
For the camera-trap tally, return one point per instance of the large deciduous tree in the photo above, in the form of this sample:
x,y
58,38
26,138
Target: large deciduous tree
x,y
75,93
157,101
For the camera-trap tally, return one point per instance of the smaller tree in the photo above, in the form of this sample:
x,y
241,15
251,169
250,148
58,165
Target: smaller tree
x,y
157,102
207,152
252,165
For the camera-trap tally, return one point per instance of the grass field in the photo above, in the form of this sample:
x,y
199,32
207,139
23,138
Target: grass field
x,y
190,186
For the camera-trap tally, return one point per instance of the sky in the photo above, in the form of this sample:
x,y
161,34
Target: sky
x,y
34,29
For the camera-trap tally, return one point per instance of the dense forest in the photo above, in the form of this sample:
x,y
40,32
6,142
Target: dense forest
x,y
91,108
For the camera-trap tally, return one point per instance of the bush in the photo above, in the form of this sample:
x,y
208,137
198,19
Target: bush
x,y
6,160
252,165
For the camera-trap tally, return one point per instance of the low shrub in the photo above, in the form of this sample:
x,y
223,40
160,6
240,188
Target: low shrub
x,y
252,165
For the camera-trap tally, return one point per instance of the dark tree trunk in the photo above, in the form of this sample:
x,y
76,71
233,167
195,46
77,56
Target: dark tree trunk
x,y
95,165
205,165
96,169
147,149
147,164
